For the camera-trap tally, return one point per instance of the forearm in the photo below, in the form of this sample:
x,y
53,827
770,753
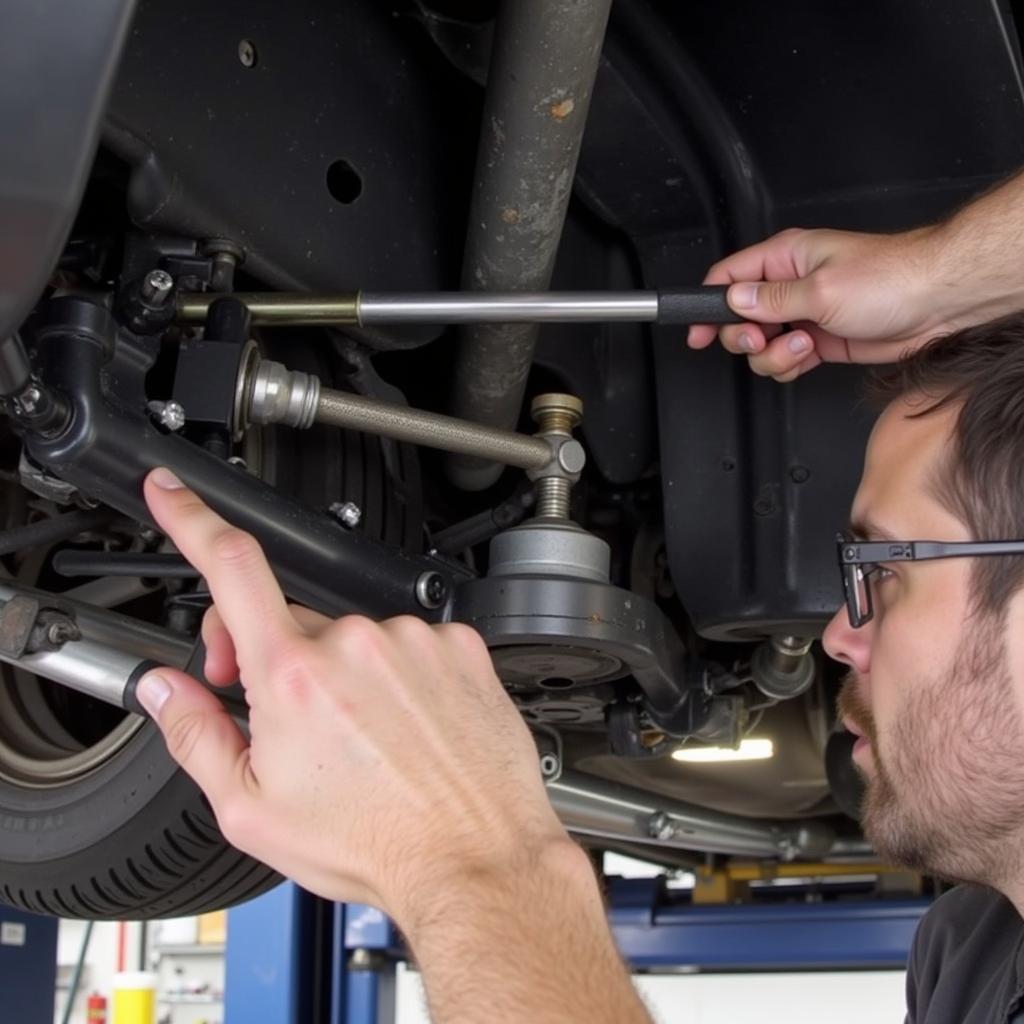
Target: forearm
x,y
978,256
530,943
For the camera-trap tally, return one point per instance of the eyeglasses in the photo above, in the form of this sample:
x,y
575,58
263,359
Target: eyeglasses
x,y
859,560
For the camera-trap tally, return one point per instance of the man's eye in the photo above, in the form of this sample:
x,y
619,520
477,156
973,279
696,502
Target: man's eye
x,y
882,573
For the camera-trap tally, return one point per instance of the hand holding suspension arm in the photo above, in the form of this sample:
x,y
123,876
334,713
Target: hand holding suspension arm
x,y
387,765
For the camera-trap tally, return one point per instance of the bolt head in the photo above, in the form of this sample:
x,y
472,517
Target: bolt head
x,y
29,399
172,416
348,513
662,827
157,286
431,590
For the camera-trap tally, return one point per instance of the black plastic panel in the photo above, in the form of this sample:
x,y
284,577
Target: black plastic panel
x,y
340,159
873,116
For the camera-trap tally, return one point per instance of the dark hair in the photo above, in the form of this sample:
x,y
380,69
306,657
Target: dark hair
x,y
981,479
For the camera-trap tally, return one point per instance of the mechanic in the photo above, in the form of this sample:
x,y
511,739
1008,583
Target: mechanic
x,y
387,765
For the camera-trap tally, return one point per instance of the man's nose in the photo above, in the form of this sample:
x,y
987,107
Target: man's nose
x,y
844,643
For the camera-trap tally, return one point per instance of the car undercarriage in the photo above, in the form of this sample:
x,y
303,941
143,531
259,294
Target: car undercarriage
x,y
358,275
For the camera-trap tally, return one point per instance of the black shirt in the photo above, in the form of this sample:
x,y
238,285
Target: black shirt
x,y
967,961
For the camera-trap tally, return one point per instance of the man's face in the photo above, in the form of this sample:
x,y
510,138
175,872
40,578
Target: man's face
x,y
931,689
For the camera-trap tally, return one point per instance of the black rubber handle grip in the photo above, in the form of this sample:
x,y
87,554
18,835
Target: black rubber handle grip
x,y
701,305
129,701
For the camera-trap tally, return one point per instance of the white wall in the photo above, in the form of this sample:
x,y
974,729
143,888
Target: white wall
x,y
847,997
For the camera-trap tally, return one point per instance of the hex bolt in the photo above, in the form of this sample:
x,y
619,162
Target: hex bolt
x,y
661,826
61,632
157,287
170,415
28,400
431,590
348,513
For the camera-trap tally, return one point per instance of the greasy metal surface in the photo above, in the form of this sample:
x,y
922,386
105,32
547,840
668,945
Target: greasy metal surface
x,y
543,65
589,805
17,617
141,639
339,409
294,309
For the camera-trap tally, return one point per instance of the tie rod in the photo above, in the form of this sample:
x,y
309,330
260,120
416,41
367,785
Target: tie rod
x,y
298,309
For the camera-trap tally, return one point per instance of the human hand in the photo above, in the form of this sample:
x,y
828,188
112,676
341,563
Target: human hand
x,y
384,759
846,298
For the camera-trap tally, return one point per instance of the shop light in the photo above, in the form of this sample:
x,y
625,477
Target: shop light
x,y
748,750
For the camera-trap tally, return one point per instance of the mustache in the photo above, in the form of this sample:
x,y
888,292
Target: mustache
x,y
852,706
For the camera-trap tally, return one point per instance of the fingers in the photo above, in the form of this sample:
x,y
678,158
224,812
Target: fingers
x,y
310,622
201,736
221,666
248,597
783,354
778,257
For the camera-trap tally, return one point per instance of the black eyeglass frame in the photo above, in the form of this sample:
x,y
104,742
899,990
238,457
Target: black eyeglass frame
x,y
858,559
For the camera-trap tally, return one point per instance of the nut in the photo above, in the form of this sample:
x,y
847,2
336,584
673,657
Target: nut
x,y
348,513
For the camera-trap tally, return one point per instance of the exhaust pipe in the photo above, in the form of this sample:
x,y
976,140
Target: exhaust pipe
x,y
543,65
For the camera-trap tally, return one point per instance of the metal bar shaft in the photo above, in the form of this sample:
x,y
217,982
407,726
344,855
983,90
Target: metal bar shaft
x,y
696,304
374,308
354,412
509,307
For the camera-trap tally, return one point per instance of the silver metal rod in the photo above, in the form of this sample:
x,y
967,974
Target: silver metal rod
x,y
99,670
140,639
508,307
107,656
593,806
354,412
295,309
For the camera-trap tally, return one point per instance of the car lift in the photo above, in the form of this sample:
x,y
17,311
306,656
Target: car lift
x,y
292,958
295,959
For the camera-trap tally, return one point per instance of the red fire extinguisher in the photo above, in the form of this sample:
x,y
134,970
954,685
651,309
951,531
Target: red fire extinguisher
x,y
96,1009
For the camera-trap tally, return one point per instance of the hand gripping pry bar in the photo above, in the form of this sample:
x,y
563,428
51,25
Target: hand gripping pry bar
x,y
696,305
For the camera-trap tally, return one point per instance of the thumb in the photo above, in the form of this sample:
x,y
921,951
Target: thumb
x,y
778,302
200,733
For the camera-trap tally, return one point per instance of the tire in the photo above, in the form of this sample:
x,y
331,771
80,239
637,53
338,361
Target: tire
x,y
132,837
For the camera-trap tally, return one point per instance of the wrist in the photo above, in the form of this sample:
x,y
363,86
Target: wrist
x,y
975,263
492,882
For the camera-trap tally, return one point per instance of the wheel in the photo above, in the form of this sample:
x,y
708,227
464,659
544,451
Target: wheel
x,y
96,820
